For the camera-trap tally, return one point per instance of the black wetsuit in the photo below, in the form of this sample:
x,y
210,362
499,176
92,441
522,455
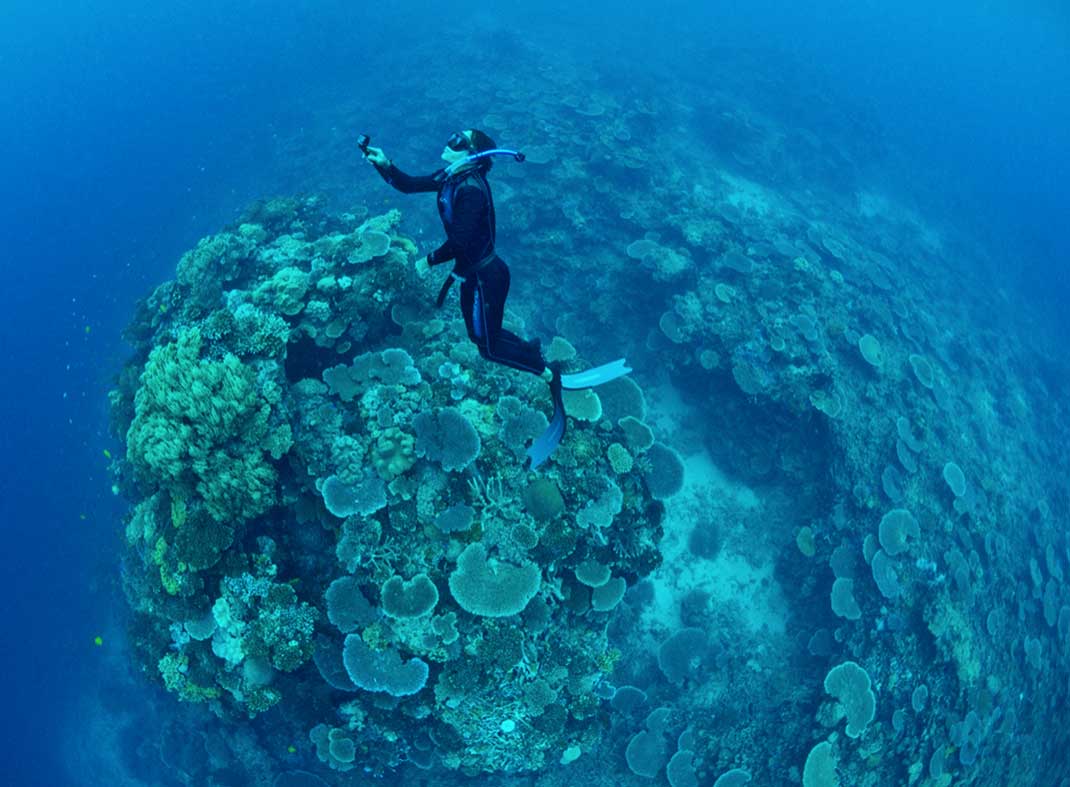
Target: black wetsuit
x,y
467,212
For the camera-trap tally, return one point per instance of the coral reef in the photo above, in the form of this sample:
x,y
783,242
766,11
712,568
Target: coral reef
x,y
321,527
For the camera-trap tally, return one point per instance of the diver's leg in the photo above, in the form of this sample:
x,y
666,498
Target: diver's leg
x,y
502,346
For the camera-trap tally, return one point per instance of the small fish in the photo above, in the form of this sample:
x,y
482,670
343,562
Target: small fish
x,y
107,454
291,749
98,640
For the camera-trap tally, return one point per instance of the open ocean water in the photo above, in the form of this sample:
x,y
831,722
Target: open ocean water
x,y
269,519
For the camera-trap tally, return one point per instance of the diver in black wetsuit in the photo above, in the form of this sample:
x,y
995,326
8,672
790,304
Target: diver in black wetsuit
x,y
467,212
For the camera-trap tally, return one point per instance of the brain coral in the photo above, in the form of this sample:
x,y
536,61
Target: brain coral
x,y
543,500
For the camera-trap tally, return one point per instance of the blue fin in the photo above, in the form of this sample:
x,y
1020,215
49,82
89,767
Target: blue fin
x,y
596,376
539,451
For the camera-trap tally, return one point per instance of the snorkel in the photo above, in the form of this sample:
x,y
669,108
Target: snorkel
x,y
457,165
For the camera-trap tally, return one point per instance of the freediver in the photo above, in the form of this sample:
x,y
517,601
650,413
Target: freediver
x,y
466,208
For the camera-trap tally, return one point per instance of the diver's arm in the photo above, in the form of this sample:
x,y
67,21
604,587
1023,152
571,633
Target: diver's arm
x,y
407,184
444,253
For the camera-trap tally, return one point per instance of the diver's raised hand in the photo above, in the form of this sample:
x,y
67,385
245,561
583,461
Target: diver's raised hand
x,y
376,156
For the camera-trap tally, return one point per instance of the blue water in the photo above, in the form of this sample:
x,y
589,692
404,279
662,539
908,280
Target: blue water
x,y
130,131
